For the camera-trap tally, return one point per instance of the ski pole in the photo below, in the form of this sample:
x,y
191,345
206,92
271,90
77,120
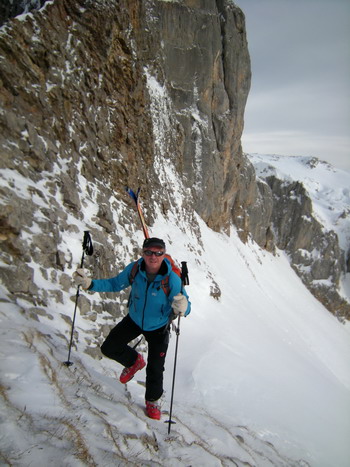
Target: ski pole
x,y
185,281
87,250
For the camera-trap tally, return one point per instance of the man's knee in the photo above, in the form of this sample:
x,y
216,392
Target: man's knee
x,y
106,349
121,353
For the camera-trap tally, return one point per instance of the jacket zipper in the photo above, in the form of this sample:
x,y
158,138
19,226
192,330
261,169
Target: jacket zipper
x,y
144,305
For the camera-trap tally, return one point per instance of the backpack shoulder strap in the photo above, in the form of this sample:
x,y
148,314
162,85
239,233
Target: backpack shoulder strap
x,y
174,266
134,271
165,285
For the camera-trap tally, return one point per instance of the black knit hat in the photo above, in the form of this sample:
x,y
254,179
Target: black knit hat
x,y
153,242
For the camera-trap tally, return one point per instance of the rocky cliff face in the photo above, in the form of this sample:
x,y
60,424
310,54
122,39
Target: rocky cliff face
x,y
12,8
97,95
207,71
315,253
312,228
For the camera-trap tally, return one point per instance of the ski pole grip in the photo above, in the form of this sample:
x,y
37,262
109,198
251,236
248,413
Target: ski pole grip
x,y
184,273
87,244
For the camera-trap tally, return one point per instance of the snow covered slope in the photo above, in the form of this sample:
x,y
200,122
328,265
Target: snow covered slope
x,y
263,376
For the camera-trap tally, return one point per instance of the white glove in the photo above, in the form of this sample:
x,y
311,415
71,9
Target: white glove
x,y
180,304
80,278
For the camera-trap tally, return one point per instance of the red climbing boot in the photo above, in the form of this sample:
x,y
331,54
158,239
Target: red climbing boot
x,y
128,373
153,410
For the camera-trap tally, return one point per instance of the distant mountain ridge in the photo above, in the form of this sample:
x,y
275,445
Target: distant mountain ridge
x,y
311,222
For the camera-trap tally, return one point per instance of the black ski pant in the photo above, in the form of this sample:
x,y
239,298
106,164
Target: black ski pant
x,y
116,347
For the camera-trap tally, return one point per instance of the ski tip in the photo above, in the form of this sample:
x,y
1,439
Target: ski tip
x,y
131,193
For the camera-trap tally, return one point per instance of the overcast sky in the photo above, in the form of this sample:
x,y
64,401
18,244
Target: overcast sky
x,y
299,102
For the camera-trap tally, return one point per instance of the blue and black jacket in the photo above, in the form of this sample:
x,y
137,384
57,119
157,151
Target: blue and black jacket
x,y
149,306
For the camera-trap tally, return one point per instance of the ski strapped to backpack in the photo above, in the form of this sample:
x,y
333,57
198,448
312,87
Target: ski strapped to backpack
x,y
182,273
135,198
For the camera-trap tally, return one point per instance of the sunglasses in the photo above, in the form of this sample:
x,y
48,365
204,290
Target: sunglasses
x,y
155,253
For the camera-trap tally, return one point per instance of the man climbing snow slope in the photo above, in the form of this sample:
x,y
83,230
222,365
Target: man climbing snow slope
x,y
157,296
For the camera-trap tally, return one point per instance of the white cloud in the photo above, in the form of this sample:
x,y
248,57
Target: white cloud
x,y
299,101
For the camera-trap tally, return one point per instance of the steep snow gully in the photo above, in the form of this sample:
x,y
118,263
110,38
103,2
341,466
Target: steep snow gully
x,y
263,376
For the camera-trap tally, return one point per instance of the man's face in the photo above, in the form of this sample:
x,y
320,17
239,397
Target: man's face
x,y
152,260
